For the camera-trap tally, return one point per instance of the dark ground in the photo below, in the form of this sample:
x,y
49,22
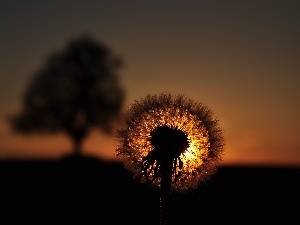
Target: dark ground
x,y
89,191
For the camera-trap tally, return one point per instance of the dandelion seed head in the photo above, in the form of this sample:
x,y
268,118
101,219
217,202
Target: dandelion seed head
x,y
197,132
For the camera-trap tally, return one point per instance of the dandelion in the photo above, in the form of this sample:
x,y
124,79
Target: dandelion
x,y
170,141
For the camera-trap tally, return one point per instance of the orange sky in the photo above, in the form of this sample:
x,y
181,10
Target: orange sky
x,y
240,58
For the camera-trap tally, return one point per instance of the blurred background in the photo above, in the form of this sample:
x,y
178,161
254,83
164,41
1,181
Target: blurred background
x,y
240,58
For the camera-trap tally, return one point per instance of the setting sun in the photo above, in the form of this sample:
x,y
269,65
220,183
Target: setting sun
x,y
203,141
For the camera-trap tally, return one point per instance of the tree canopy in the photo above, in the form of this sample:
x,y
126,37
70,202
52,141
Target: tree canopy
x,y
77,89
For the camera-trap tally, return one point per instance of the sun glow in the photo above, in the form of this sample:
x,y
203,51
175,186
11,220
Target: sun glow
x,y
194,163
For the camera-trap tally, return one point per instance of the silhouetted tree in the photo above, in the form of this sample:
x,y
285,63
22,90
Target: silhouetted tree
x,y
78,89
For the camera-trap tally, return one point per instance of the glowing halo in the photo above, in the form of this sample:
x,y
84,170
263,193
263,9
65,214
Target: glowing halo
x,y
204,135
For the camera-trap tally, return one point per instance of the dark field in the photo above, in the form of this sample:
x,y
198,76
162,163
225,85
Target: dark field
x,y
89,191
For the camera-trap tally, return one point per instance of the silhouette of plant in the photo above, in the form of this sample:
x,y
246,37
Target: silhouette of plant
x,y
163,127
76,90
172,142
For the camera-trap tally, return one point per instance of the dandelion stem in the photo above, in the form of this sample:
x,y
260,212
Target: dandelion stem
x,y
166,179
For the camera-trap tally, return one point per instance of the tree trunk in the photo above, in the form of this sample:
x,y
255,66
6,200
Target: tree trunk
x,y
77,147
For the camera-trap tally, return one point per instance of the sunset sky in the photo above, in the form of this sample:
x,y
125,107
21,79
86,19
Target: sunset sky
x,y
241,58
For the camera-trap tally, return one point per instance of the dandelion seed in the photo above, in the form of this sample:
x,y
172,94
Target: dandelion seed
x,y
165,129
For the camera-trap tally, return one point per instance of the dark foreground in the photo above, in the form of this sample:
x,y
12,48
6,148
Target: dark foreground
x,y
89,191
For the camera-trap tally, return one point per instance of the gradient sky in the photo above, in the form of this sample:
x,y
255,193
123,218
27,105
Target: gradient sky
x,y
241,58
